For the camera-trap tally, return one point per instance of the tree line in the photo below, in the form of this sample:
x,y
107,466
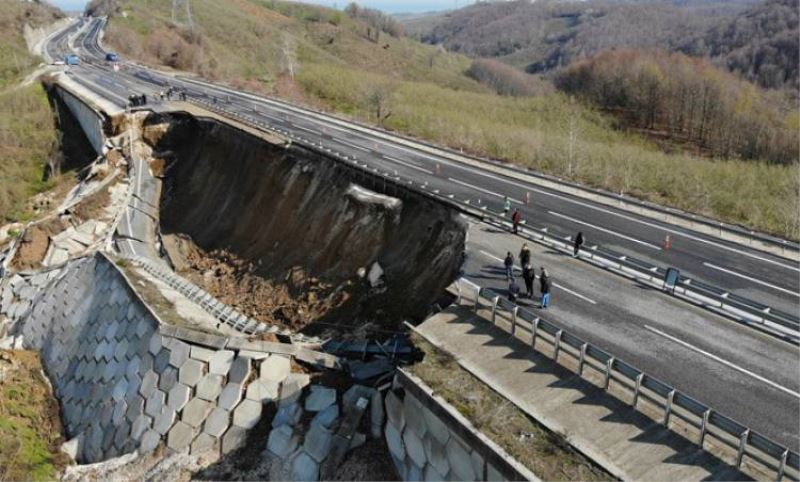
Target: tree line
x,y
689,99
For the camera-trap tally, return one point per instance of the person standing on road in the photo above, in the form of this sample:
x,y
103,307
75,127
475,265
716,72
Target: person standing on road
x,y
513,291
516,218
544,284
506,206
578,243
528,275
524,255
509,264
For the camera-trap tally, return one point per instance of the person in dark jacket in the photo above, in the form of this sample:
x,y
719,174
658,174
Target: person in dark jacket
x,y
524,255
544,283
515,219
513,291
509,264
578,243
528,275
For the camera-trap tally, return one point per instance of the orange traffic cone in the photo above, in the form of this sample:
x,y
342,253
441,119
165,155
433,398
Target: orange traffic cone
x,y
667,242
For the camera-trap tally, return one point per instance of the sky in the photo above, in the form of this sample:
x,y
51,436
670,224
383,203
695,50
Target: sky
x,y
390,6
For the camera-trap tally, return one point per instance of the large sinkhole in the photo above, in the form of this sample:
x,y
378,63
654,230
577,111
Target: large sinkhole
x,y
290,236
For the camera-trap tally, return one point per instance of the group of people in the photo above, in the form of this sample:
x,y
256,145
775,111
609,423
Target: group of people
x,y
528,275
135,100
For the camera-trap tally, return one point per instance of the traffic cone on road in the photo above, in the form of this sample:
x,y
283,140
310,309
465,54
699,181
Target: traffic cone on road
x,y
438,169
667,242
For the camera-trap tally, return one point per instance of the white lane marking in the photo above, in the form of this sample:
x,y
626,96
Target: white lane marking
x,y
724,362
305,129
577,221
555,285
408,164
354,146
750,278
400,160
485,191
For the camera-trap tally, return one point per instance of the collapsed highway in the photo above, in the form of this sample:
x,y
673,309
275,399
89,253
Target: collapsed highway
x,y
216,192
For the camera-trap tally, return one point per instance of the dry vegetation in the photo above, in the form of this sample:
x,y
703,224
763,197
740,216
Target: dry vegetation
x,y
328,59
546,454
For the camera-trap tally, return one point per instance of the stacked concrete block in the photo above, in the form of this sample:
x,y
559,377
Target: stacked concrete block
x,y
123,385
423,447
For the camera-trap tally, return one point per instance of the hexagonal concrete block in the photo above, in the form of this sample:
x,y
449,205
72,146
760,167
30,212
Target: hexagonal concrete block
x,y
415,420
168,379
195,412
231,395
263,390
233,439
275,368
120,388
318,442
135,407
140,425
220,362
414,447
155,344
178,397
150,440
436,454
209,387
395,442
240,370
179,353
121,435
155,403
162,361
149,384
217,422
282,441
459,459
320,398
201,354
204,443
247,414
164,421
304,468
191,372
437,428
119,412
180,436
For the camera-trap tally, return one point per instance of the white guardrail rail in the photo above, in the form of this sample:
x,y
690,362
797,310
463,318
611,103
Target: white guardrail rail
x,y
754,314
706,422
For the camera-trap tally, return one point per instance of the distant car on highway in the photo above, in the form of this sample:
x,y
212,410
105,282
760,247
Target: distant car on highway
x,y
72,59
112,57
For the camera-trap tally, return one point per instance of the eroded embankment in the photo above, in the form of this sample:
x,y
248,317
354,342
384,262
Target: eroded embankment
x,y
282,232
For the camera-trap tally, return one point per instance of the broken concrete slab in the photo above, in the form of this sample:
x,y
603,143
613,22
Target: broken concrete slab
x,y
263,390
282,441
247,414
287,415
327,417
318,442
275,368
304,468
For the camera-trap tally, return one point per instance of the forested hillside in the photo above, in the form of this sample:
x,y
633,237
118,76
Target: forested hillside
x,y
762,44
546,34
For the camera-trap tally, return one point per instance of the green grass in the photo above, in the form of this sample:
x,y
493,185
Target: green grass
x,y
29,424
429,96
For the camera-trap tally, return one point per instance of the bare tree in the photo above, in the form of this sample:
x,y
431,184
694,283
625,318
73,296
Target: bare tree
x,y
288,55
379,99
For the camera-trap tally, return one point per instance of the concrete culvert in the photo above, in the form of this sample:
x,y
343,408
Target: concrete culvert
x,y
289,236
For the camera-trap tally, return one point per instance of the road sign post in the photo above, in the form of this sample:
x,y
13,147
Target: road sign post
x,y
671,279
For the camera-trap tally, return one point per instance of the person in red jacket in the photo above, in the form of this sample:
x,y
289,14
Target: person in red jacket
x,y
516,218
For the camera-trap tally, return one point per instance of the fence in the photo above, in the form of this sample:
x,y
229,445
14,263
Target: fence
x,y
707,422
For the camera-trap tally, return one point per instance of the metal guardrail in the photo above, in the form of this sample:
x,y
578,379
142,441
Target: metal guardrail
x,y
705,420
224,313
784,244
769,319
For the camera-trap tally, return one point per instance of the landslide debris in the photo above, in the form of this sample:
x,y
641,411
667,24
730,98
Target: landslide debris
x,y
290,237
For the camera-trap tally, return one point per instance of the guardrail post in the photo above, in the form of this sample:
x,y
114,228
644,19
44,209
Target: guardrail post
x,y
557,345
514,320
742,447
782,465
668,407
636,390
495,300
609,366
582,358
534,329
477,298
704,427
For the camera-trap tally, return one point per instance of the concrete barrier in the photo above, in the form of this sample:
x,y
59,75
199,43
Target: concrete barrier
x,y
91,120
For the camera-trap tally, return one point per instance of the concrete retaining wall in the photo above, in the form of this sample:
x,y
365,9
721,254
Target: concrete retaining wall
x,y
430,440
126,382
90,120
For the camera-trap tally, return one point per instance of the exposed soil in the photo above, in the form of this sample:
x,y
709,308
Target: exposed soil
x,y
94,206
34,243
30,425
287,235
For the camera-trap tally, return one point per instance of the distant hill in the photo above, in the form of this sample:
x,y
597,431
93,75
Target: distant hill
x,y
546,34
761,43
